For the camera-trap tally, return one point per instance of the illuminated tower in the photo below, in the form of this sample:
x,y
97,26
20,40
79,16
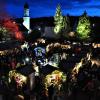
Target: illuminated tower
x,y
26,17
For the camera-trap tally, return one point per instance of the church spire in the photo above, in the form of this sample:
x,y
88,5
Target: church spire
x,y
26,10
26,17
26,5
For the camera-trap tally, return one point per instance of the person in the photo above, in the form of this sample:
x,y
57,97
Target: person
x,y
50,92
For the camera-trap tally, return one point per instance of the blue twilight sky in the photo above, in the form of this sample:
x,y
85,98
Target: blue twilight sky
x,y
42,8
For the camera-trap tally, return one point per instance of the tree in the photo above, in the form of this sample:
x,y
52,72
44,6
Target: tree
x,y
66,28
84,27
3,33
62,24
65,23
58,18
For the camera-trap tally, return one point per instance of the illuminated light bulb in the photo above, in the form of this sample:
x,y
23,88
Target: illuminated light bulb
x,y
39,28
27,59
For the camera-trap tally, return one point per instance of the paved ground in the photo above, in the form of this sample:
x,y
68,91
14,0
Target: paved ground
x,y
1,97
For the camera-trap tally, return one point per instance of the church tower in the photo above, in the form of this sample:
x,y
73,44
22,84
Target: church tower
x,y
26,17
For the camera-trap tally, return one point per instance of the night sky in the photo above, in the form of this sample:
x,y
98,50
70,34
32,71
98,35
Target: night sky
x,y
45,8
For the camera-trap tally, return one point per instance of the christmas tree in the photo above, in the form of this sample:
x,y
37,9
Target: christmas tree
x,y
58,18
84,27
